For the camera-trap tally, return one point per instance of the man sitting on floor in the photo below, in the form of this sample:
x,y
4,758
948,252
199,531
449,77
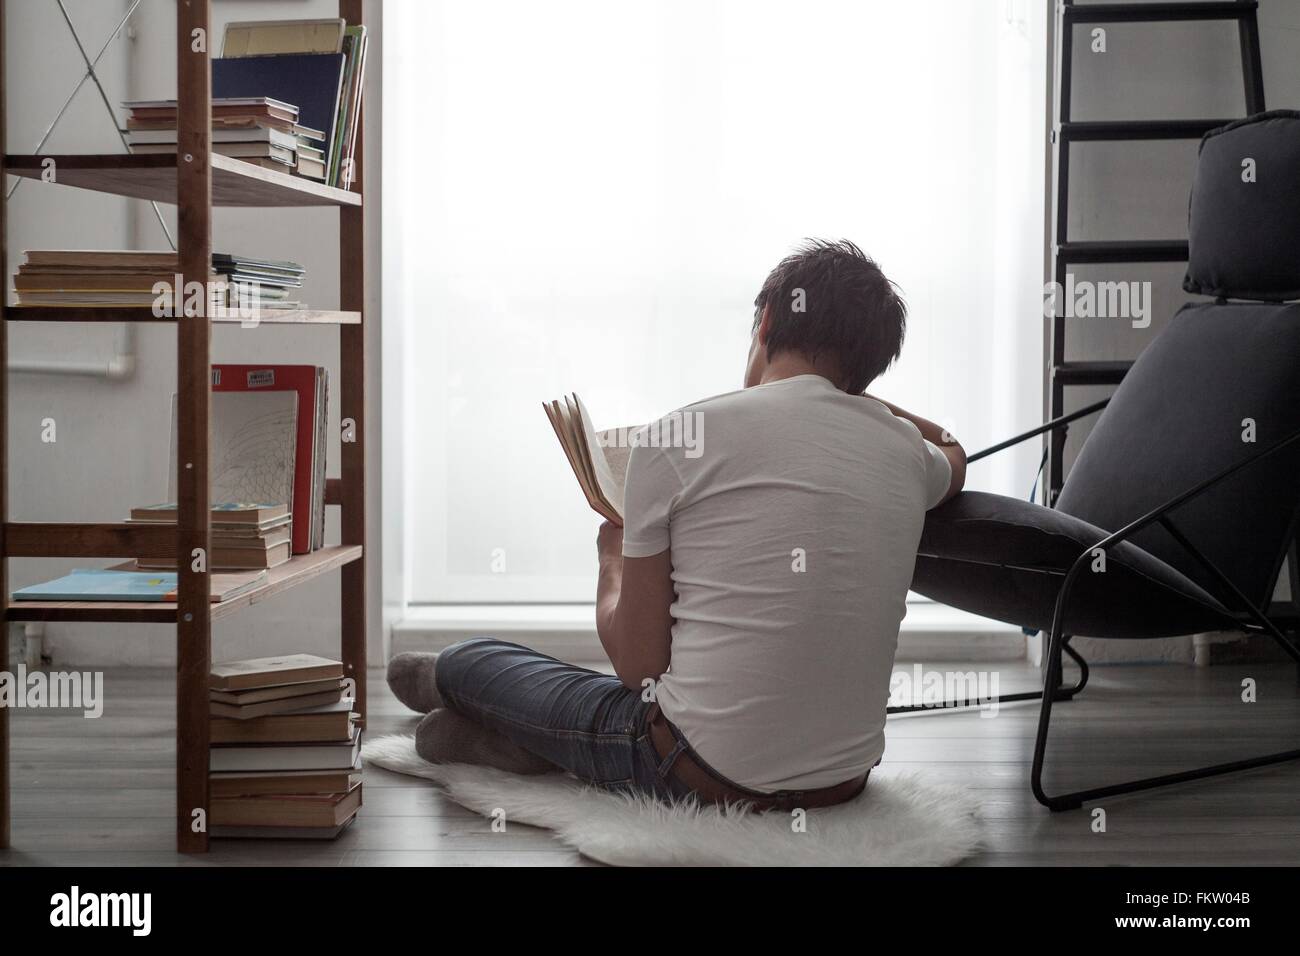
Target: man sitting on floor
x,y
750,605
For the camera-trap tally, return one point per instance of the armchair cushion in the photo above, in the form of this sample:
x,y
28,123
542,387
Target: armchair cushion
x,y
1006,559
1244,215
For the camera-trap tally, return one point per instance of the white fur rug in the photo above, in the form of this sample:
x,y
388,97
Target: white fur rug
x,y
897,821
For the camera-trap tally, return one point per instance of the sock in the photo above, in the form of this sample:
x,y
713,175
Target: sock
x,y
411,678
447,737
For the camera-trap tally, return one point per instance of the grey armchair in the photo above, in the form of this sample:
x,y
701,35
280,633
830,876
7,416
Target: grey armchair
x,y
1189,484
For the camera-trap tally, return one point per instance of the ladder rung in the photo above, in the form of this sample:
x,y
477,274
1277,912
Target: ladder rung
x,y
1137,129
1156,12
1136,250
1090,373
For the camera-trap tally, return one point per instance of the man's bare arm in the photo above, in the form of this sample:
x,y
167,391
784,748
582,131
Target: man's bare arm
x,y
633,601
936,435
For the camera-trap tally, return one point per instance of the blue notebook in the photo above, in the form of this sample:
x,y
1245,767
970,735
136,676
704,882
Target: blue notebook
x,y
93,585
310,81
156,586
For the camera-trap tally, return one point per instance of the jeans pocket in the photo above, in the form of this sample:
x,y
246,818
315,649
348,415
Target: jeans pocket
x,y
646,773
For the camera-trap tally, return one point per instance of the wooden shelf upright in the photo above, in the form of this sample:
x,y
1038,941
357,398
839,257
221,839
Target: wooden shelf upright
x,y
195,180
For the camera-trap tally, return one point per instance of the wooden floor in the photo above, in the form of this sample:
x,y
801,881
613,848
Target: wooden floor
x,y
99,792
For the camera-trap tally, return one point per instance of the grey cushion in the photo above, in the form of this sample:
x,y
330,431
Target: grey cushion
x,y
1245,236
992,555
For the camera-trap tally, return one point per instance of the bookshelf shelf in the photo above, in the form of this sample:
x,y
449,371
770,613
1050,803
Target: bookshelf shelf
x,y
43,313
297,570
234,182
195,188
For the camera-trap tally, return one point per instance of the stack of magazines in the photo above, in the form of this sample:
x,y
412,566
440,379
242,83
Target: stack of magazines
x,y
121,278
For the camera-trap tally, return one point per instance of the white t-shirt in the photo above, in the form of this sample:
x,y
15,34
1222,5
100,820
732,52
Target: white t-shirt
x,y
793,516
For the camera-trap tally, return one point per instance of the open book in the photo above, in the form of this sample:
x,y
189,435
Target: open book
x,y
598,459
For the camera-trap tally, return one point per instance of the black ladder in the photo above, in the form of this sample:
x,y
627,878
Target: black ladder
x,y
1066,253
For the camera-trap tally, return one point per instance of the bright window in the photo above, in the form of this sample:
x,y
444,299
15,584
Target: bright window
x,y
586,196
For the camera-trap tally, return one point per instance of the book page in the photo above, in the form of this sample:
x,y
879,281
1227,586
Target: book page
x,y
577,440
611,486
562,418
599,460
616,443
563,426
254,435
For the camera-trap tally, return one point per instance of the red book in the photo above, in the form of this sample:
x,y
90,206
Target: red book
x,y
308,466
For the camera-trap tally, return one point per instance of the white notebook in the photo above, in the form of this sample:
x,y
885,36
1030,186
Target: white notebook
x,y
252,450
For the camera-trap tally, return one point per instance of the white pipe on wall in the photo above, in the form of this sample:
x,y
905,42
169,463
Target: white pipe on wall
x,y
119,368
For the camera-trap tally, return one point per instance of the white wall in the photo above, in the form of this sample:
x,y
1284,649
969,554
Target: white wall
x,y
1140,190
113,437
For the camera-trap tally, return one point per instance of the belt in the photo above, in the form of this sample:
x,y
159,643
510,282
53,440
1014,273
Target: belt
x,y
710,786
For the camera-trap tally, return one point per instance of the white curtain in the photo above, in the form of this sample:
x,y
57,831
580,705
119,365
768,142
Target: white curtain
x,y
585,195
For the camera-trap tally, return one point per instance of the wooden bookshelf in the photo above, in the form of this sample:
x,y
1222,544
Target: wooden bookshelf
x,y
299,568
234,182
43,313
196,180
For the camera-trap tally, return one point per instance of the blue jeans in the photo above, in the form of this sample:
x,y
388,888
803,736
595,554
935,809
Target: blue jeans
x,y
584,722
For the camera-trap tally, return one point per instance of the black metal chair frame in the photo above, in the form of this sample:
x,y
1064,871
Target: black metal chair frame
x,y
1250,618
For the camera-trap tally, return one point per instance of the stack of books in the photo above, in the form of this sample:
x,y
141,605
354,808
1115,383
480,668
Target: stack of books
x,y
260,130
286,95
286,749
306,387
269,434
244,535
120,278
317,64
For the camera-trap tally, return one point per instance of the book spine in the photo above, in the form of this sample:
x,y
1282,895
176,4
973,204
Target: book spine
x,y
354,119
340,121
